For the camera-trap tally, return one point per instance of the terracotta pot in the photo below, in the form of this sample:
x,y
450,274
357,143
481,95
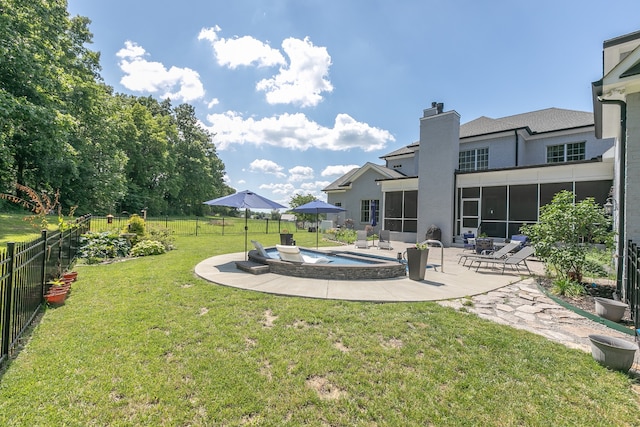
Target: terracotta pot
x,y
56,297
73,275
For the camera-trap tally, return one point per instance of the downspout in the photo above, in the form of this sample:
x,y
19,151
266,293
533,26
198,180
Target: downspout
x,y
515,132
621,185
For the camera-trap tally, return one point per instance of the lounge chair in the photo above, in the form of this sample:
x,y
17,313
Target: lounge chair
x,y
513,260
521,238
361,239
293,254
385,240
500,253
260,248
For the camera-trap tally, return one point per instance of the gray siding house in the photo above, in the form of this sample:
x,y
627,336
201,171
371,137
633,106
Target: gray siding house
x,y
486,176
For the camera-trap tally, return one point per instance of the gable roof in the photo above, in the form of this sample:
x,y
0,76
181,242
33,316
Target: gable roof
x,y
547,120
345,180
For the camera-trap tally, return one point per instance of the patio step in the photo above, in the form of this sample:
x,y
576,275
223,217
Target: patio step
x,y
252,267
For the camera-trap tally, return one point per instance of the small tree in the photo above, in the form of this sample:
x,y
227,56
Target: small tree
x,y
565,231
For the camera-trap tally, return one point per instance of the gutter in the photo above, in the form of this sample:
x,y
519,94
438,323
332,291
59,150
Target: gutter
x,y
621,185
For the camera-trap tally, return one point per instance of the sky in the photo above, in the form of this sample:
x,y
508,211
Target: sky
x,y
299,92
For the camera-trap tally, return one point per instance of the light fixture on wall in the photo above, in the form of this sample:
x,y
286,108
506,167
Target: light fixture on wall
x,y
609,206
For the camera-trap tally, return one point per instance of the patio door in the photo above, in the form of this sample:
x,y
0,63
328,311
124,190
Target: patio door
x,y
470,215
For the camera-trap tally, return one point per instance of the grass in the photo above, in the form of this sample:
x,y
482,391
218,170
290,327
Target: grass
x,y
14,228
144,342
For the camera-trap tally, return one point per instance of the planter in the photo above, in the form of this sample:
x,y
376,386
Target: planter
x,y
610,309
614,353
55,298
286,239
417,262
72,275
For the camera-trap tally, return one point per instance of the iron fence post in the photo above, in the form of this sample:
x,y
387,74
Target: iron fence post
x,y
196,226
43,274
8,291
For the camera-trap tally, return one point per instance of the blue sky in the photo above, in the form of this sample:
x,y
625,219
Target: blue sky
x,y
300,91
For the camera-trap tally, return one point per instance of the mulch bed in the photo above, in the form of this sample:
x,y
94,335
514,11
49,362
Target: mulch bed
x,y
603,288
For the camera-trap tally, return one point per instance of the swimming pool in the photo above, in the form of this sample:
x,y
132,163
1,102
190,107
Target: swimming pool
x,y
342,265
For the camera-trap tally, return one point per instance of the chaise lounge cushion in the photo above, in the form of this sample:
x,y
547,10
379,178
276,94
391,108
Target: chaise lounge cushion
x,y
293,254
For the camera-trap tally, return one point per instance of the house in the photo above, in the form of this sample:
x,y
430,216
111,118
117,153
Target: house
x,y
616,106
486,176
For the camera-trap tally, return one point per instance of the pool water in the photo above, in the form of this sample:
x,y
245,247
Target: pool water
x,y
336,259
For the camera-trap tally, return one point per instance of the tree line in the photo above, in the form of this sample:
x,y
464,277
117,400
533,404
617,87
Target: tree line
x,y
62,128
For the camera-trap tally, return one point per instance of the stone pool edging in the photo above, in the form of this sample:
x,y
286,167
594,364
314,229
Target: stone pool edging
x,y
378,269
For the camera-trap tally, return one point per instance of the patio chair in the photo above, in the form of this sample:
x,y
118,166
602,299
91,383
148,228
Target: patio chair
x,y
293,254
513,260
385,240
259,248
469,241
361,239
500,253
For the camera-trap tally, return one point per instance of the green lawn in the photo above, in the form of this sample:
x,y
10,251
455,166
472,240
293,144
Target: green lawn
x,y
144,342
15,228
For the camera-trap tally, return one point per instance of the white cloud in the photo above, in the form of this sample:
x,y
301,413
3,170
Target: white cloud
x,y
301,81
266,166
300,173
153,77
241,51
304,80
315,186
284,189
337,170
297,132
213,103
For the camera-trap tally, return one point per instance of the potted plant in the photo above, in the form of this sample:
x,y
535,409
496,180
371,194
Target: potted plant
x,y
286,238
417,260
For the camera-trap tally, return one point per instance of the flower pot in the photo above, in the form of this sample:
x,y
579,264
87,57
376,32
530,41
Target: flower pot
x,y
417,262
614,353
72,275
610,309
286,239
56,297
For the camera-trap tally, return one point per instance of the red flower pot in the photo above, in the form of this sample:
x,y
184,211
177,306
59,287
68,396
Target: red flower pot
x,y
72,275
56,297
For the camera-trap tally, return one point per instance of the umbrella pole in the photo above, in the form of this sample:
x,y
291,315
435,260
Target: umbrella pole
x,y
246,229
317,229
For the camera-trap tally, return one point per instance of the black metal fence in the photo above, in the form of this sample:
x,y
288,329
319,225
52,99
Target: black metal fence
x,y
632,291
24,270
197,226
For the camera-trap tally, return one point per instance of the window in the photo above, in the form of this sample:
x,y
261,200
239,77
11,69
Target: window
x,y
365,210
566,152
401,211
472,160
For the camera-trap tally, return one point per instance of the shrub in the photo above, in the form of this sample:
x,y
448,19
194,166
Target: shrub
x,y
568,287
96,247
147,247
136,226
162,235
566,232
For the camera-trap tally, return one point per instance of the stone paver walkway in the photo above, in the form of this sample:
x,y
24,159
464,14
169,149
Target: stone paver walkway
x,y
522,305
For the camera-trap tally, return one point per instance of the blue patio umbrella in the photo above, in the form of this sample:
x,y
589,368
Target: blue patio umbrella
x,y
248,200
372,213
317,207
